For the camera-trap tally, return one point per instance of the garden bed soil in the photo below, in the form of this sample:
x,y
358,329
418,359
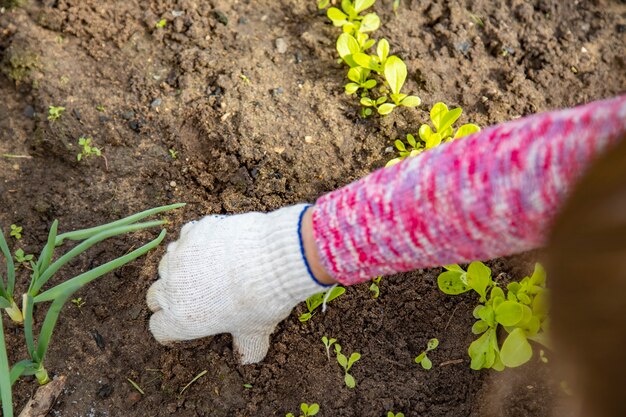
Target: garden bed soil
x,y
249,97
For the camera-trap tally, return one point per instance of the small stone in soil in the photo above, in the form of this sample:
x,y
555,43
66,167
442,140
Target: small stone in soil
x,y
281,45
134,397
221,17
298,57
242,21
621,28
128,115
99,339
29,111
105,392
156,103
77,114
277,91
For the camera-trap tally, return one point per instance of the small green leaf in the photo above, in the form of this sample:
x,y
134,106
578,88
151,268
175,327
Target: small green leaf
x,y
449,118
343,361
386,108
411,101
432,344
346,47
420,357
360,5
351,88
399,145
369,84
450,282
425,132
365,61
382,50
509,313
381,100
426,363
370,23
539,275
454,267
479,278
466,130
349,380
367,102
353,358
313,409
395,73
437,113
322,4
411,139
337,16
480,327
516,350
305,317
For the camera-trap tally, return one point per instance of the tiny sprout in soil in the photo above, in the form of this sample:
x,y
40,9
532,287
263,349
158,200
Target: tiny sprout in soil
x,y
375,287
391,414
522,312
307,410
43,270
55,112
423,358
346,364
443,121
173,153
316,300
78,302
328,343
22,258
160,24
88,149
16,231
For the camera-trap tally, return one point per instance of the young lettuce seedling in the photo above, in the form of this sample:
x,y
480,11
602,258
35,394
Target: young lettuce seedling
x,y
328,343
16,231
316,300
22,258
55,112
349,18
443,121
374,287
307,410
522,312
391,414
423,359
346,364
88,149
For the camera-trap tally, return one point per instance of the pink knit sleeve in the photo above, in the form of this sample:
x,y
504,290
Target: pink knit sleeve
x,y
491,194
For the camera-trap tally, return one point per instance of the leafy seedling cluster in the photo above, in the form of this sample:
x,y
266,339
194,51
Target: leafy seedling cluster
x,y
23,258
367,71
87,149
522,312
16,231
423,358
346,363
429,137
45,268
55,112
316,300
307,410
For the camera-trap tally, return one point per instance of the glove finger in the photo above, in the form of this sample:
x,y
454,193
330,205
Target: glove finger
x,y
252,348
156,297
164,265
165,330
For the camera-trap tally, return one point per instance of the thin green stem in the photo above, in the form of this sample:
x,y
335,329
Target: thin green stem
x,y
87,233
83,246
48,250
75,283
48,326
27,307
10,266
5,377
24,367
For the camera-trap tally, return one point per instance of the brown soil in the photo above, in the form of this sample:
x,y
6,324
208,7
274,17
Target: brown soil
x,y
256,129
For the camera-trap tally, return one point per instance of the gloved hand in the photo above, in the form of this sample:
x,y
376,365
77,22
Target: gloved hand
x,y
238,274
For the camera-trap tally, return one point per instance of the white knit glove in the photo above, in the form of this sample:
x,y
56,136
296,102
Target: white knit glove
x,y
239,274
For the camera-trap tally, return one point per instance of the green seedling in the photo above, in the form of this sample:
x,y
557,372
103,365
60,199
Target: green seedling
x,y
375,287
346,363
327,344
173,153
307,410
316,300
247,386
350,20
522,312
160,24
100,108
22,258
390,413
423,359
78,302
42,271
322,4
87,149
396,6
443,121
16,231
55,112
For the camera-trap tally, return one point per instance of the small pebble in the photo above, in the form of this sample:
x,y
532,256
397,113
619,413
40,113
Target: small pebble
x,y
178,13
277,91
281,45
242,20
128,115
308,139
221,17
29,111
173,184
156,103
134,397
104,392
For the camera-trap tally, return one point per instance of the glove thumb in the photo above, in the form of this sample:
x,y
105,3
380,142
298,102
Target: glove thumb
x,y
252,347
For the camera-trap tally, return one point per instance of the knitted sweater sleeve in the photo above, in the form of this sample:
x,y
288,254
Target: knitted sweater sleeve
x,y
491,194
